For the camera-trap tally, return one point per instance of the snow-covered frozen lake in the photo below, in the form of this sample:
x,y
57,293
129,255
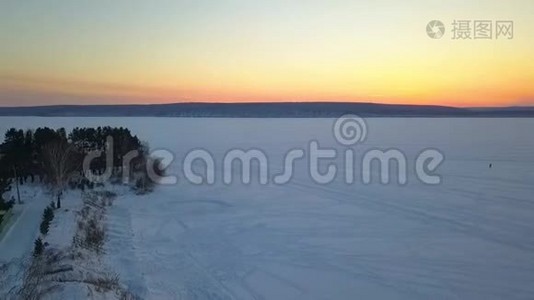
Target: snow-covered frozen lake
x,y
470,237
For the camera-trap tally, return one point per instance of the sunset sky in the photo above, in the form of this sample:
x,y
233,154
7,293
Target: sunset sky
x,y
85,52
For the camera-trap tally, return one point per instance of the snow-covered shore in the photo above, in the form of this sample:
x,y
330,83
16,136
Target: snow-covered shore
x,y
469,237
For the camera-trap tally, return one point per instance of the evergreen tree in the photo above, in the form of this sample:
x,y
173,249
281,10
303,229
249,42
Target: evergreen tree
x,y
38,247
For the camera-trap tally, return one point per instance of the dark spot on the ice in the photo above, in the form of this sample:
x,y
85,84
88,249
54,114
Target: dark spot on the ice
x,y
490,165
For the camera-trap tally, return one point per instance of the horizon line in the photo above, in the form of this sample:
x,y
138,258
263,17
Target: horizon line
x,y
267,102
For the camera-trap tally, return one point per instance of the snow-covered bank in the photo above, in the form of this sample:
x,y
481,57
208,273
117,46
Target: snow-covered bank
x,y
471,237
73,263
17,240
18,236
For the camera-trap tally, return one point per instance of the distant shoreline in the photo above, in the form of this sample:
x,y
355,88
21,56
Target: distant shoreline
x,y
267,110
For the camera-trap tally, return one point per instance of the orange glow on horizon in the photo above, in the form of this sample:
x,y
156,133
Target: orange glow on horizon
x,y
106,93
272,51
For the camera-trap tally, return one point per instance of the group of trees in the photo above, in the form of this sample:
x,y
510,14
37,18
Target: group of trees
x,y
86,140
23,152
55,158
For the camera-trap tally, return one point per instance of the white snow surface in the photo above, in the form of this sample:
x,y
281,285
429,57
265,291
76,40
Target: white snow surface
x,y
16,241
471,237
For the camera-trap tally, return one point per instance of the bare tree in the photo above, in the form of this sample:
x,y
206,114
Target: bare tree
x,y
61,162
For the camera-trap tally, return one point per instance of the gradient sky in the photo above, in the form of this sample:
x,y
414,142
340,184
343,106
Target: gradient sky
x,y
125,51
